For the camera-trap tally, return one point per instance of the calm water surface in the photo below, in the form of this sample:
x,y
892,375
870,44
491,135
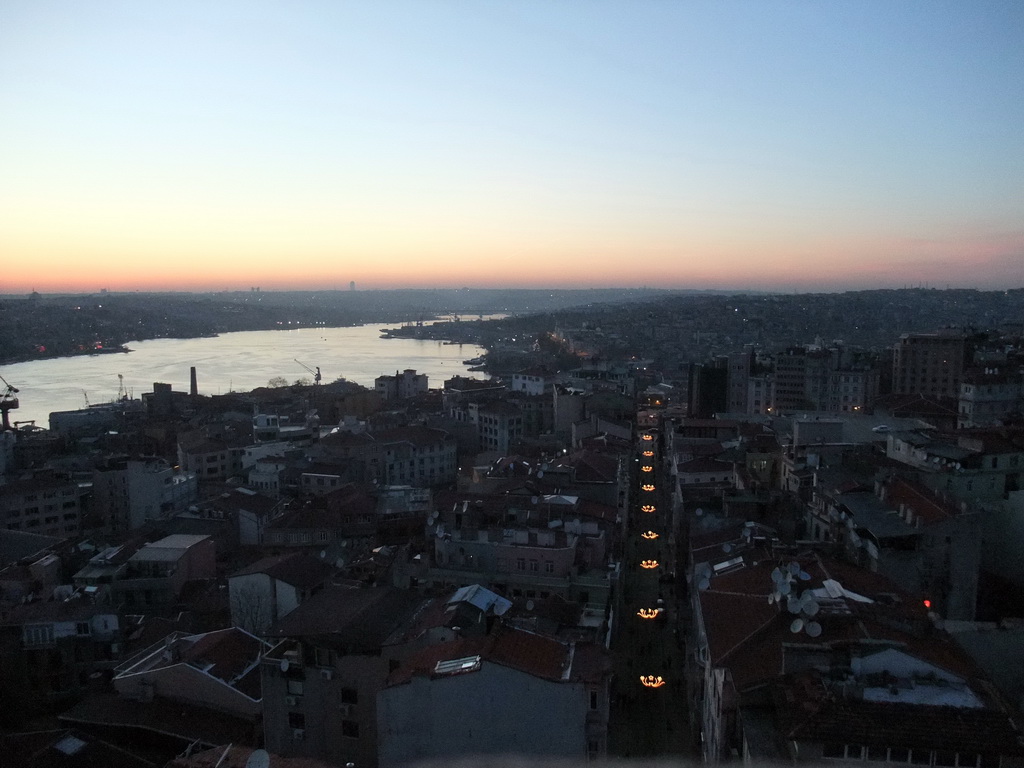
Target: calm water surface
x,y
230,362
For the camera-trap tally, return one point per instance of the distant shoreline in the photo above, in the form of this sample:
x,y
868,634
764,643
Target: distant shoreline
x,y
121,349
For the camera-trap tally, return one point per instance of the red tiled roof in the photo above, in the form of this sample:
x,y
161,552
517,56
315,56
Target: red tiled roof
x,y
704,464
527,652
357,618
591,466
230,651
593,509
297,569
350,439
806,711
330,510
925,504
190,722
250,501
746,634
420,436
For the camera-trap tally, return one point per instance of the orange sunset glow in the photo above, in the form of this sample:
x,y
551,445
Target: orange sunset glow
x,y
512,146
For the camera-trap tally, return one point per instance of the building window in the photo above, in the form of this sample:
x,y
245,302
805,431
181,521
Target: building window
x,y
593,699
296,720
323,657
549,567
38,634
350,729
349,696
521,564
295,689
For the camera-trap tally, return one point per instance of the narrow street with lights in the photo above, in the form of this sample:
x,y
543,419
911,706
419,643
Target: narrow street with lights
x,y
649,711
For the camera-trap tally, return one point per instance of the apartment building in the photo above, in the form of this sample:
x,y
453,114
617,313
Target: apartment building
x,y
152,579
45,503
332,656
803,658
988,398
128,492
929,363
401,386
510,692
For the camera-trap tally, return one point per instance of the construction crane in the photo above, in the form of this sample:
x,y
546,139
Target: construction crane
x,y
316,373
8,402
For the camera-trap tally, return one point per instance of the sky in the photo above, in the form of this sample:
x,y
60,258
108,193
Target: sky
x,y
769,145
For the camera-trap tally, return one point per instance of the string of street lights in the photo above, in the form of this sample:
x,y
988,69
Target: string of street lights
x,y
649,564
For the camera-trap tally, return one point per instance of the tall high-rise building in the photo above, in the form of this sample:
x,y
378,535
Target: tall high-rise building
x,y
929,363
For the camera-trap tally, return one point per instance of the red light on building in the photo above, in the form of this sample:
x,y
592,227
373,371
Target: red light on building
x,y
928,604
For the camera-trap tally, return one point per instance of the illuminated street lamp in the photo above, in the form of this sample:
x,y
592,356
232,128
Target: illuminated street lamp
x,y
649,535
652,681
649,613
647,508
647,487
648,564
647,437
648,453
646,468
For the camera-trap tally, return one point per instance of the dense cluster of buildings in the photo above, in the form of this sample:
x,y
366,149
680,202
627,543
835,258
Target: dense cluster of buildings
x,y
379,577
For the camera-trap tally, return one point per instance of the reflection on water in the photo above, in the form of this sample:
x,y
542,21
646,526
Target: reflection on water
x,y
232,361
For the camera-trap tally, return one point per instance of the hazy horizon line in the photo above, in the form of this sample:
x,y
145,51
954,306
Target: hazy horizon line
x,y
259,290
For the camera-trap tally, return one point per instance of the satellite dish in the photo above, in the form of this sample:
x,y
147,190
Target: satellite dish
x,y
323,553
705,582
727,547
284,665
804,576
698,511
544,466
771,599
533,499
259,758
813,628
540,473
785,588
793,605
794,568
530,605
811,607
777,576
796,626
